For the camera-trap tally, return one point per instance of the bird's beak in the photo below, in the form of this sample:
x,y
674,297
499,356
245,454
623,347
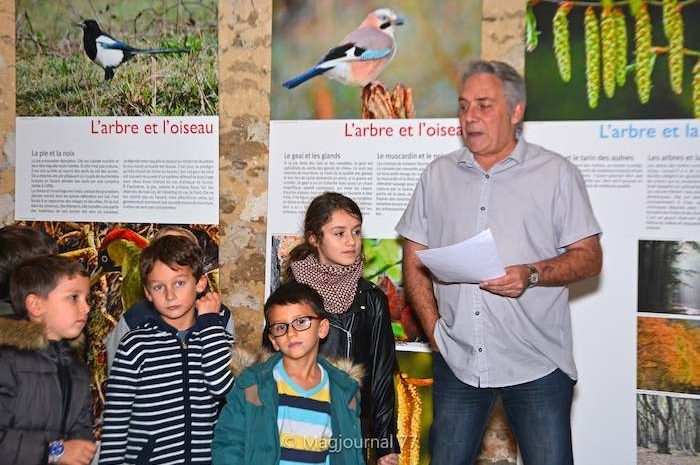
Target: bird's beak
x,y
80,24
398,21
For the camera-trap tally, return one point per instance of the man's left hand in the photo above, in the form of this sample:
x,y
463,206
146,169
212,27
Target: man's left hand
x,y
511,284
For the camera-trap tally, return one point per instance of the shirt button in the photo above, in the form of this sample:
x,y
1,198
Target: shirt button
x,y
476,313
483,209
480,349
487,176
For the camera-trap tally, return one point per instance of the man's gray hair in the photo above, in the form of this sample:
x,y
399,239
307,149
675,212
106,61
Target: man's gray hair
x,y
513,82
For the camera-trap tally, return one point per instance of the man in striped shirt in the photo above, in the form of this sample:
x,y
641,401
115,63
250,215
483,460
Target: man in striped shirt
x,y
170,373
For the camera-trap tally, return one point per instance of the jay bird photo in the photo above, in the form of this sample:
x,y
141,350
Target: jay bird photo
x,y
361,56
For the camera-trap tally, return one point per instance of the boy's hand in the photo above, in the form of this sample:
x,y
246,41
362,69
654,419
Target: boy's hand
x,y
208,303
78,452
389,459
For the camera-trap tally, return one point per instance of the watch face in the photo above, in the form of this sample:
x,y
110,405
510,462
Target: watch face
x,y
534,276
56,448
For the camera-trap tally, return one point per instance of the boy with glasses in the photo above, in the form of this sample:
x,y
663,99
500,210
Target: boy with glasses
x,y
293,407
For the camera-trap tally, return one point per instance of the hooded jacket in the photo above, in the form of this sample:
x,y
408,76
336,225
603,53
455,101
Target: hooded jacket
x,y
164,394
137,315
35,374
363,334
247,432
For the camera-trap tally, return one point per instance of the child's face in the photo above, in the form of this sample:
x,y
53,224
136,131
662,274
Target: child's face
x,y
297,344
173,292
341,242
64,311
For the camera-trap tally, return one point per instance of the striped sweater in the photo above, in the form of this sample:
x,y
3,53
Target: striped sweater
x,y
163,395
303,419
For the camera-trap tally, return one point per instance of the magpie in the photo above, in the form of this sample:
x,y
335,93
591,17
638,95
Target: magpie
x,y
108,52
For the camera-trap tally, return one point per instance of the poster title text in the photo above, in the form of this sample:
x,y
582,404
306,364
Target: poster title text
x,y
165,126
410,129
641,131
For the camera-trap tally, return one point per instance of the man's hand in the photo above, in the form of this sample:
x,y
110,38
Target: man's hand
x,y
78,452
208,303
511,284
389,459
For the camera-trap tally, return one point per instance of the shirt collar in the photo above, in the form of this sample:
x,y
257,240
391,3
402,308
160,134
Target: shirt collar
x,y
466,158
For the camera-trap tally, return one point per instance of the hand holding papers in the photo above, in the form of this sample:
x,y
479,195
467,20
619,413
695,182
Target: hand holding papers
x,y
471,261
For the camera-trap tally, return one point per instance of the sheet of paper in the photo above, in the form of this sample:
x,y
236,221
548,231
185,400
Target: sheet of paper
x,y
469,261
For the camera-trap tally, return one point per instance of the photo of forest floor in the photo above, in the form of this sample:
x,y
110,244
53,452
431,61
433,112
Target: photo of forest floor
x,y
650,457
666,430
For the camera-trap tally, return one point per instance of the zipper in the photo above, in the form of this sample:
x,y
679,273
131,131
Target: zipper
x,y
347,351
64,384
186,399
348,335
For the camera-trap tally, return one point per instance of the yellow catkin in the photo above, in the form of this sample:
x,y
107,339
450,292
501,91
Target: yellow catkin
x,y
531,35
673,28
644,55
562,46
696,89
620,47
607,32
634,7
592,40
403,410
410,408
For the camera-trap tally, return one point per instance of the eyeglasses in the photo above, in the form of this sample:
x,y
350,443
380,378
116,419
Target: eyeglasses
x,y
301,323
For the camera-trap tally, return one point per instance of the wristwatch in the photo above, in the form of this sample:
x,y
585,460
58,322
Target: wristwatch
x,y
534,276
56,451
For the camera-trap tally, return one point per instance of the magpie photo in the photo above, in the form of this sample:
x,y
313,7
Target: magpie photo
x,y
109,53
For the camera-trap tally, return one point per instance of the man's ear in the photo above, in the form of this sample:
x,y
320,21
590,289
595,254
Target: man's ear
x,y
518,113
34,306
202,283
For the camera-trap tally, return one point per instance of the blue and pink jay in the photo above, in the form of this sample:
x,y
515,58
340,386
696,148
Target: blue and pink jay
x,y
361,56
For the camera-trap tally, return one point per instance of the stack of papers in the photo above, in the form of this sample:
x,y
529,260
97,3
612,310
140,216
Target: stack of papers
x,y
471,261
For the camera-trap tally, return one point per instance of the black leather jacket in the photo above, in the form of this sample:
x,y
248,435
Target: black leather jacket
x,y
363,334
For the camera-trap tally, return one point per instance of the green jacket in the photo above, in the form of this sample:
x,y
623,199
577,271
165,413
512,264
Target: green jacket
x,y
246,432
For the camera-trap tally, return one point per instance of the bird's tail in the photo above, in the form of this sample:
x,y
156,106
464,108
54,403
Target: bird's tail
x,y
295,81
156,51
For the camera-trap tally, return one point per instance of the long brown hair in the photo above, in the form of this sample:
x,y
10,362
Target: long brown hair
x,y
317,215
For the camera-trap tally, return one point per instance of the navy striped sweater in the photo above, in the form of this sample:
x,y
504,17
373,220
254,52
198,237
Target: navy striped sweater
x,y
163,395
